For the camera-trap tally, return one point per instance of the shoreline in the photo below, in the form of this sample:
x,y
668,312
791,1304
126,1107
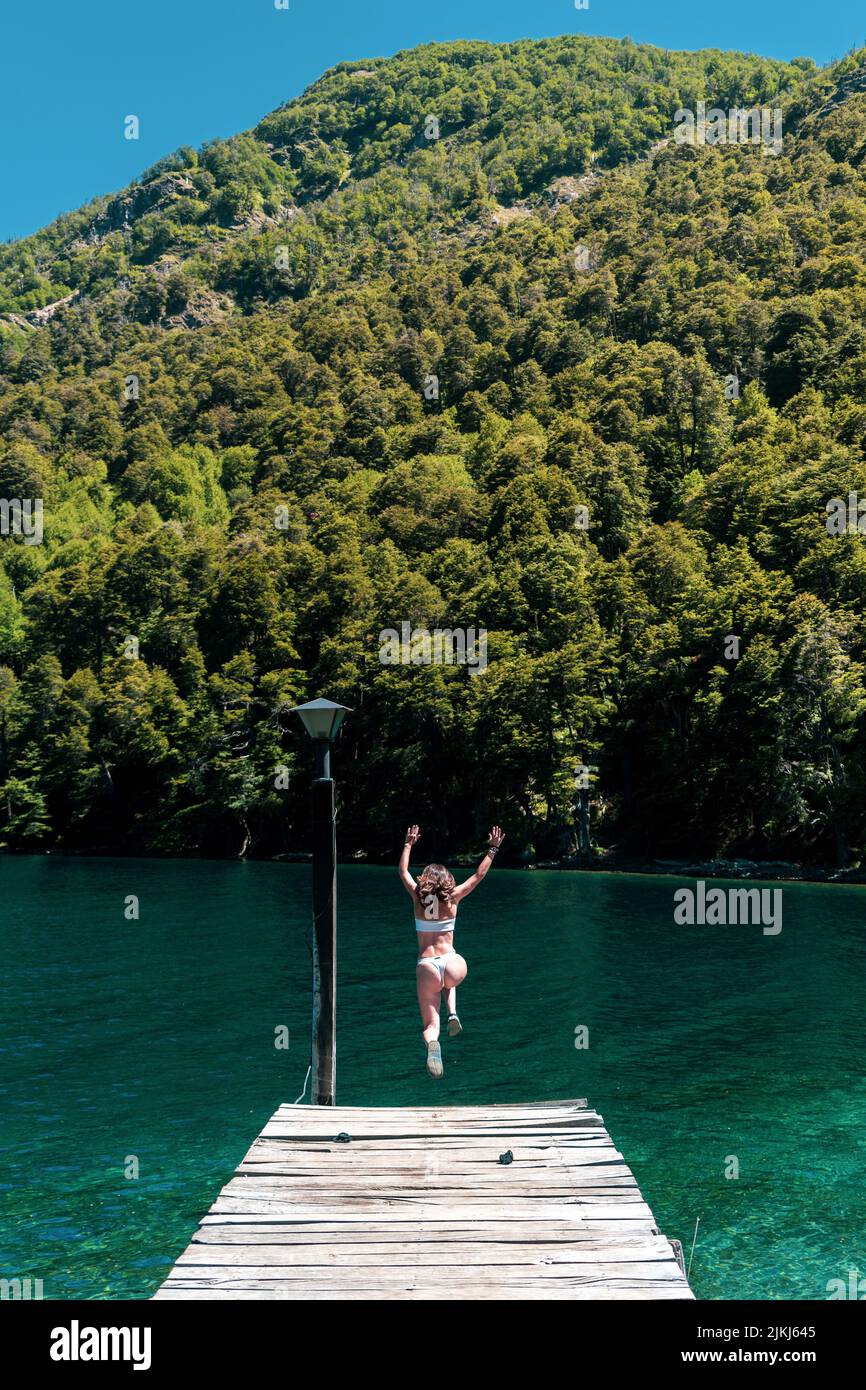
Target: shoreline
x,y
774,870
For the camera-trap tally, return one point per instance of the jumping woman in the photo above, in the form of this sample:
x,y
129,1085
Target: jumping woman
x,y
440,969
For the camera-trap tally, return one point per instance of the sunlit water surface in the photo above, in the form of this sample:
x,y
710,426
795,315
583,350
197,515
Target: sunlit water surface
x,y
152,1042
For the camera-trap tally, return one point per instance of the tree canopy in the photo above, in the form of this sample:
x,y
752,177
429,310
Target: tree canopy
x,y
371,363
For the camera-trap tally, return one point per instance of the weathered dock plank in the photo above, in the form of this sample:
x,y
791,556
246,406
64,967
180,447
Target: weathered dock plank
x,y
418,1206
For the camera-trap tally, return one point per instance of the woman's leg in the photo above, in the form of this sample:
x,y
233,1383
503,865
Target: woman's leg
x,y
429,983
454,975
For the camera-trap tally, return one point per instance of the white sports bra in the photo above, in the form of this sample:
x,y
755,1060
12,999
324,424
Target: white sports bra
x,y
437,924
434,925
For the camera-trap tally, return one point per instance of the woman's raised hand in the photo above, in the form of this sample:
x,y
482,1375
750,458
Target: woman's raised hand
x,y
496,837
413,834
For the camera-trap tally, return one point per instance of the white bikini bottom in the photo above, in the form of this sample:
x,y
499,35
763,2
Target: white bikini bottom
x,y
439,961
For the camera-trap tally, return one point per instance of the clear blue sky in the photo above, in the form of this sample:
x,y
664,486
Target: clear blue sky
x,y
195,69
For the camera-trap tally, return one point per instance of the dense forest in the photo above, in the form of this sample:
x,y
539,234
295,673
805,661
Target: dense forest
x,y
460,338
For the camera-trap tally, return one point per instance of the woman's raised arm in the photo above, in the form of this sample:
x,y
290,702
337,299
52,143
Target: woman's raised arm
x,y
464,889
413,834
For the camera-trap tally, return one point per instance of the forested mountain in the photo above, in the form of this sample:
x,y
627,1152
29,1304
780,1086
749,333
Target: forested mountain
x,y
368,364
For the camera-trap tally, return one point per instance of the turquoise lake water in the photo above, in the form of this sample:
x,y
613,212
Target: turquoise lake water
x,y
155,1039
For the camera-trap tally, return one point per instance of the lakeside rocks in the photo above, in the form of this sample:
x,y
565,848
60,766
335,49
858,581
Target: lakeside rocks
x,y
724,868
604,861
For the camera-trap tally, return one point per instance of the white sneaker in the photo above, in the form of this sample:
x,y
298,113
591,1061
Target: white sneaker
x,y
434,1059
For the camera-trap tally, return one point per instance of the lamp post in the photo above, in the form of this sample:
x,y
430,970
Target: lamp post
x,y
322,720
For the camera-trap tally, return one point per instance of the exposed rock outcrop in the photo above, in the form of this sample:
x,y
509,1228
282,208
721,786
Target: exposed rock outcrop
x,y
142,198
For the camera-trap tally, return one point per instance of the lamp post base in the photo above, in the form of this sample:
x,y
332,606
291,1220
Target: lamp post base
x,y
324,1052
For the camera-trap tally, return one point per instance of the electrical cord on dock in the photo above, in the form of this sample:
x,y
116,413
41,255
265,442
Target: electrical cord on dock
x,y
304,1091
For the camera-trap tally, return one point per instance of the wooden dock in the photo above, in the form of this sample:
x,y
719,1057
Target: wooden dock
x,y
418,1206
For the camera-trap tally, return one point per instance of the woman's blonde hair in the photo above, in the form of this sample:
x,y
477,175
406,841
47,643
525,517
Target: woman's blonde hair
x,y
436,882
